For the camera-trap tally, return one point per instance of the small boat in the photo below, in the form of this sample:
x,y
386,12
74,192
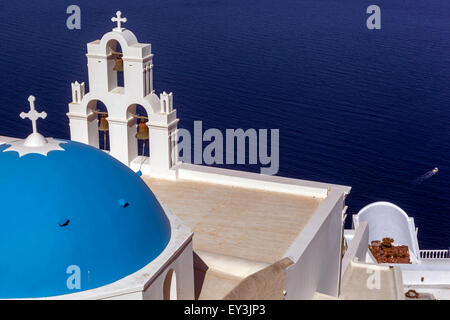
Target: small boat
x,y
435,170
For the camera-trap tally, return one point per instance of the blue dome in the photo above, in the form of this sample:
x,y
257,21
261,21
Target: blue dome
x,y
78,207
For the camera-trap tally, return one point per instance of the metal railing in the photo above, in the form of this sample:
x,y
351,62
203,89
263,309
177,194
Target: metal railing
x,y
434,254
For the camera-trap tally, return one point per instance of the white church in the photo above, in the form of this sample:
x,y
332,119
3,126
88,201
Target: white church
x,y
165,229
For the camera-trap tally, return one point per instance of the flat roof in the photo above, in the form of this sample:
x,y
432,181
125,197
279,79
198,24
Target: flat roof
x,y
363,281
252,224
213,285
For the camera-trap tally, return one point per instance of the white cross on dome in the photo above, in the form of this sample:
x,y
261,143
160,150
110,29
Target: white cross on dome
x,y
33,115
35,142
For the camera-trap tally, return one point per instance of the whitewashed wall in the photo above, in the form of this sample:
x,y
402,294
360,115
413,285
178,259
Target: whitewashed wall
x,y
357,248
422,274
317,252
183,267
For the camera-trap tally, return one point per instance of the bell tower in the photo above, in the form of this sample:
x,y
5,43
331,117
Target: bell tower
x,y
118,53
136,62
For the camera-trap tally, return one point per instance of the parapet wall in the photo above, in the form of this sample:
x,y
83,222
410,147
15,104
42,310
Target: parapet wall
x,y
316,252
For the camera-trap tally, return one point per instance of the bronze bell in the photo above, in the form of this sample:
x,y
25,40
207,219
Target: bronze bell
x,y
118,66
104,126
142,133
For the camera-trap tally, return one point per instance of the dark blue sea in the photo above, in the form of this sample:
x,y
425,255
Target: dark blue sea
x,y
364,108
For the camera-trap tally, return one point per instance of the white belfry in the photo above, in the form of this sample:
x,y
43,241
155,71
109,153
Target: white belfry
x,y
121,92
119,21
33,115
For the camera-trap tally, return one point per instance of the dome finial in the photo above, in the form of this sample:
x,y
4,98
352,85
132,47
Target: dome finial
x,y
35,142
35,139
33,115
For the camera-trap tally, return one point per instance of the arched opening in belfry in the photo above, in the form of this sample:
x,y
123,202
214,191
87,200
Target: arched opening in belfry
x,y
116,80
170,286
100,110
138,112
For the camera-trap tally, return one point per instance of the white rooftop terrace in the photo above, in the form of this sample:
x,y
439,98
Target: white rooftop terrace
x,y
242,222
241,214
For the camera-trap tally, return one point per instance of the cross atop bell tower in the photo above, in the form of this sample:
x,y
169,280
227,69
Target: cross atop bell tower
x,y
119,21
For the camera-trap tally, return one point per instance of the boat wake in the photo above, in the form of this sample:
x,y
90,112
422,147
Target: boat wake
x,y
425,176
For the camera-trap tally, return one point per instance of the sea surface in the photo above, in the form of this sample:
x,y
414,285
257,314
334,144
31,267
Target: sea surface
x,y
358,107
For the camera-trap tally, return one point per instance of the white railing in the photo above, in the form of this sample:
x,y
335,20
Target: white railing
x,y
434,254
